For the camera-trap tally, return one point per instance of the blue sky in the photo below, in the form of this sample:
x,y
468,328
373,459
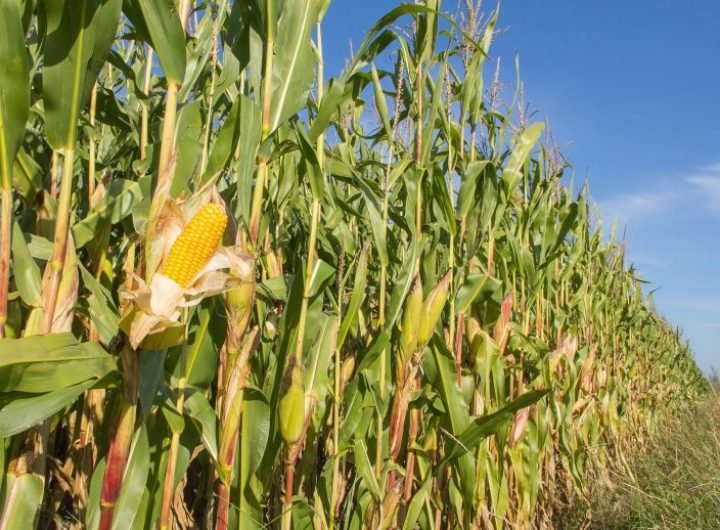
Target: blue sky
x,y
631,91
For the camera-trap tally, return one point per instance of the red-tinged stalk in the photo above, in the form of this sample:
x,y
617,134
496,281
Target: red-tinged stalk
x,y
62,228
169,486
116,458
124,427
236,376
83,457
287,499
413,429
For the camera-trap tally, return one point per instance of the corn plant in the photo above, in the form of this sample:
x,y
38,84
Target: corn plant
x,y
235,293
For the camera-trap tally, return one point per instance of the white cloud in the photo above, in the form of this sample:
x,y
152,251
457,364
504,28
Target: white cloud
x,y
708,187
699,187
632,206
712,168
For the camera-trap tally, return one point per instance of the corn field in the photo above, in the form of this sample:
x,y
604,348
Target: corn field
x,y
236,293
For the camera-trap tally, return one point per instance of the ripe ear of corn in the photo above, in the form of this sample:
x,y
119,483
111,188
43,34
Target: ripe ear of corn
x,y
195,245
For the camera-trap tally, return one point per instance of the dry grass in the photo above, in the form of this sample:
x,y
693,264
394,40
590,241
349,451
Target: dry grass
x,y
672,484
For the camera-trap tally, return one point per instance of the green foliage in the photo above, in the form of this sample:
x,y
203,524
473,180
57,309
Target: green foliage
x,y
416,322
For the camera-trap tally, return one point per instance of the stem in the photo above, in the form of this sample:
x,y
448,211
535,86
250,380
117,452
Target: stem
x,y
315,217
184,13
169,489
120,445
116,460
144,105
167,142
287,512
211,97
223,509
54,174
418,154
256,206
381,325
287,501
336,404
5,235
62,224
308,279
92,147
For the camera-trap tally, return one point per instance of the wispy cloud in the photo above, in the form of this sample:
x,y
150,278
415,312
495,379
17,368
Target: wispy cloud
x,y
696,188
636,205
707,187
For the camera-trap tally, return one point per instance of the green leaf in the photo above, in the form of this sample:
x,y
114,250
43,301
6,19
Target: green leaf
x,y
358,295
380,102
491,424
250,133
329,105
402,286
416,504
374,208
471,289
92,517
468,186
79,36
118,202
152,368
317,362
201,351
189,139
322,273
27,176
226,141
25,270
312,165
254,438
24,496
512,173
365,469
51,362
14,88
134,482
102,310
22,413
293,72
160,22
204,420
457,412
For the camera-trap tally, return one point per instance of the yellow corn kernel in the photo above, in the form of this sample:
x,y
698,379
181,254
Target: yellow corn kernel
x,y
195,245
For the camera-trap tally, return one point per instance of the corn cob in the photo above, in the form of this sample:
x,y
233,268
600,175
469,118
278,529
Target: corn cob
x,y
195,245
